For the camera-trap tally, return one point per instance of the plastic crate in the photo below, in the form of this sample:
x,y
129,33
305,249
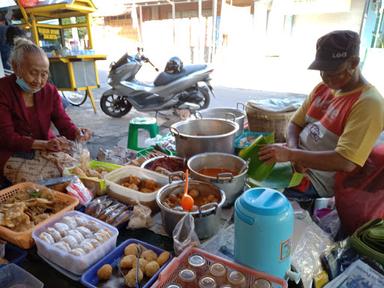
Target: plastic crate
x,y
74,264
13,254
169,274
13,276
24,239
90,279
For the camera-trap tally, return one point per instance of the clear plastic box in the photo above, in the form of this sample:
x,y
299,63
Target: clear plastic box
x,y
12,275
125,194
74,264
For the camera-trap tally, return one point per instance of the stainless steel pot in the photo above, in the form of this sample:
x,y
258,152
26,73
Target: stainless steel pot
x,y
233,185
207,219
227,113
148,162
204,135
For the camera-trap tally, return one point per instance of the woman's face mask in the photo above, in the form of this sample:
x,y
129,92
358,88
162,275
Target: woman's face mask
x,y
33,73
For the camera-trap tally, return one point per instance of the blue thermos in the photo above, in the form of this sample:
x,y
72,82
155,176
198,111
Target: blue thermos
x,y
264,222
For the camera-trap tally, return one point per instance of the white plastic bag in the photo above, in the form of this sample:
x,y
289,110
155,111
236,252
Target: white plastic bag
x,y
184,234
140,217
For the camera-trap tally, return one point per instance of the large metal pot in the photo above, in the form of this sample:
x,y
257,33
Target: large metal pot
x,y
232,183
204,135
207,218
227,113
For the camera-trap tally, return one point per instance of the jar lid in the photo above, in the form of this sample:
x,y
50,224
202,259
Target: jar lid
x,y
187,275
236,277
261,283
217,269
173,286
207,282
196,261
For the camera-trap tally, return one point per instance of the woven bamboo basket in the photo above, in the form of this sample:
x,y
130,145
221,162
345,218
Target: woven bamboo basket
x,y
266,121
24,239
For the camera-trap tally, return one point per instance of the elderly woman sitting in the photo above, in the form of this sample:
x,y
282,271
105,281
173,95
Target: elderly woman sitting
x,y
28,106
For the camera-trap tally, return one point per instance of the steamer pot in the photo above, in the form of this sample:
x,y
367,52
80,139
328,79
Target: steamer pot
x,y
204,135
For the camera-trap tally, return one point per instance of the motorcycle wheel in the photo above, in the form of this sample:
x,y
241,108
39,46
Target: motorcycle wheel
x,y
207,98
76,98
114,105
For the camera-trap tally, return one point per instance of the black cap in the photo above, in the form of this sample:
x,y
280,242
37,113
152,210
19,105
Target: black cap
x,y
334,48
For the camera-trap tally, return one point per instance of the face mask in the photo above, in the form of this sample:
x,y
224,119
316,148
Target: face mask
x,y
24,86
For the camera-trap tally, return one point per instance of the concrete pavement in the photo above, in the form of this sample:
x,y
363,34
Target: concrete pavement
x,y
109,132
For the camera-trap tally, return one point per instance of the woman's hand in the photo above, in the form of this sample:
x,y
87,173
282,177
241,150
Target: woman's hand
x,y
274,153
83,134
58,144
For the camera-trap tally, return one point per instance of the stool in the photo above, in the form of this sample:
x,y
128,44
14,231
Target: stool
x,y
137,123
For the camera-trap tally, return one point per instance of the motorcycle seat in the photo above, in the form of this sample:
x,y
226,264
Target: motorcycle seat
x,y
165,78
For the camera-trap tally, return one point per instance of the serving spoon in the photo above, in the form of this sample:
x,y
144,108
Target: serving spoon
x,y
186,201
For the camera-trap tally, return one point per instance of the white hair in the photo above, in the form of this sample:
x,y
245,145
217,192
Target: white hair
x,y
21,49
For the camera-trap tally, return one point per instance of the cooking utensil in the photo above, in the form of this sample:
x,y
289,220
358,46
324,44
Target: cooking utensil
x,y
187,201
207,218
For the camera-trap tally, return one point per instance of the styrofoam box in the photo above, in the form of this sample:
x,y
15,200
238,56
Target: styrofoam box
x,y
72,263
115,176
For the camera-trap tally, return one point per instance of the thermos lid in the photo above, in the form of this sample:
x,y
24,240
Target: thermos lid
x,y
264,201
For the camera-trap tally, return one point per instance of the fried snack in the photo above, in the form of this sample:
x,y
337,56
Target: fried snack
x,y
131,249
163,257
79,172
105,272
130,278
149,255
151,268
127,261
142,263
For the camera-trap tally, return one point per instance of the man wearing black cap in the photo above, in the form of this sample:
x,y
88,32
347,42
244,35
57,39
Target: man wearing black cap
x,y
338,124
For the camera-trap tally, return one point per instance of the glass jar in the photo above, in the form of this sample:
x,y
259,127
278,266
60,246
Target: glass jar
x,y
207,282
236,279
218,271
187,278
198,264
173,286
261,283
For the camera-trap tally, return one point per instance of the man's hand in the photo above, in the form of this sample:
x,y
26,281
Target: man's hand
x,y
83,134
274,153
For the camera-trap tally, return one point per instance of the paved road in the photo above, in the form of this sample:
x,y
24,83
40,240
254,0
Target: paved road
x,y
109,132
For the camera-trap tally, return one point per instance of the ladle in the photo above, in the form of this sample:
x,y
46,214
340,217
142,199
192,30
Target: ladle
x,y
187,201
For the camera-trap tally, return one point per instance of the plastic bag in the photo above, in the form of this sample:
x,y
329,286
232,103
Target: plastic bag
x,y
306,255
140,217
330,223
184,234
77,189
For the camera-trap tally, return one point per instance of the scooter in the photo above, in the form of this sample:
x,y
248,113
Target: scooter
x,y
187,89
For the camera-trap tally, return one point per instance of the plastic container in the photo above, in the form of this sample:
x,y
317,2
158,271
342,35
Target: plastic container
x,y
13,276
125,194
95,184
24,239
170,274
74,264
264,223
13,254
90,279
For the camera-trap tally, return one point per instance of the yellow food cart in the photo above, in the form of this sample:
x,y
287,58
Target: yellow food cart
x,y
72,61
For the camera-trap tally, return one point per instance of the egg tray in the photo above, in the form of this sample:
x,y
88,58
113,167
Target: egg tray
x,y
170,274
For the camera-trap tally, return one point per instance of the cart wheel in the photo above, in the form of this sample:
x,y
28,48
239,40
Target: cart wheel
x,y
76,98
